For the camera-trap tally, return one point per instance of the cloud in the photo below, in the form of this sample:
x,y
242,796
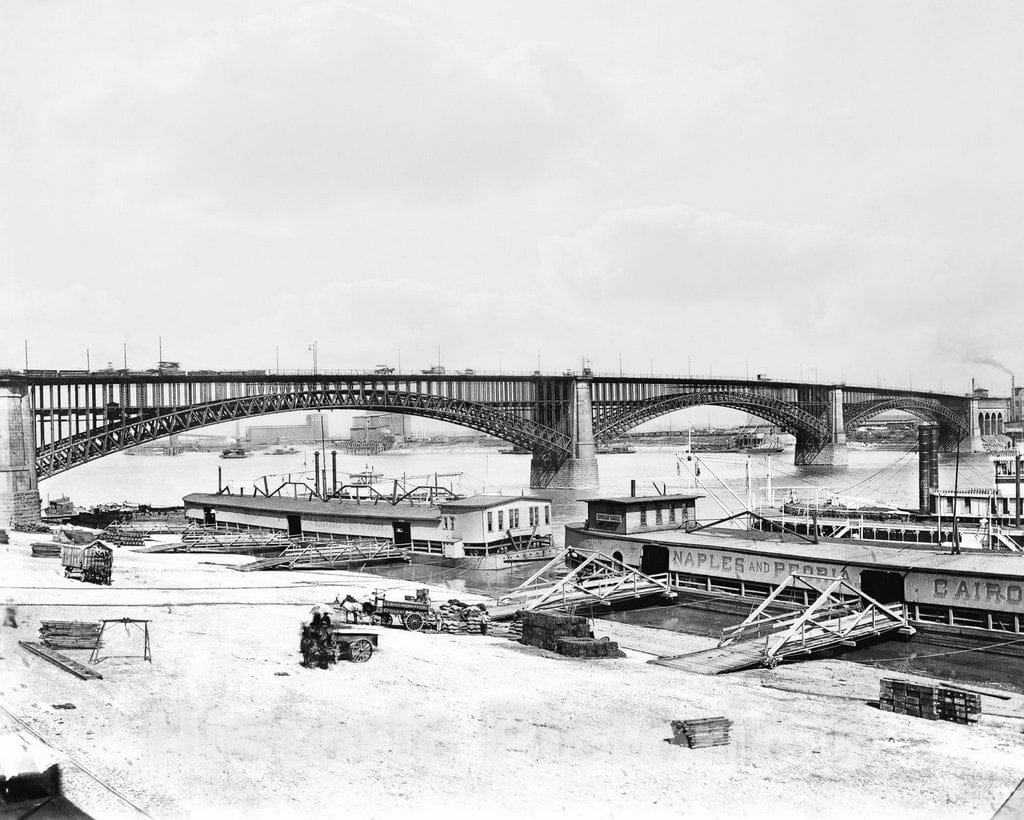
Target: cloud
x,y
335,103
730,290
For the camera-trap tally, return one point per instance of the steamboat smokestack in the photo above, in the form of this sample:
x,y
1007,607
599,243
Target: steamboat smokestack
x,y
927,464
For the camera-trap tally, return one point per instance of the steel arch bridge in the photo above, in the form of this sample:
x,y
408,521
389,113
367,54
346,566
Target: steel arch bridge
x,y
61,419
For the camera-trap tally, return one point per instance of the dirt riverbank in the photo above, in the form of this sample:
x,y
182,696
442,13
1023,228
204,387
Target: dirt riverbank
x,y
224,722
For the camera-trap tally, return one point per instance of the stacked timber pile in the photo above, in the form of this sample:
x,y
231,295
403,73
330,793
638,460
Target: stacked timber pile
x,y
545,629
701,732
69,634
125,535
45,549
928,702
589,648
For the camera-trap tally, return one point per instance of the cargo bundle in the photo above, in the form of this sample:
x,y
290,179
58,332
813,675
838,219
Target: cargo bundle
x,y
589,648
701,732
69,634
928,702
544,630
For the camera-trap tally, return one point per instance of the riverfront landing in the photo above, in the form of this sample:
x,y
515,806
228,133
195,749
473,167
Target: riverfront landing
x,y
465,725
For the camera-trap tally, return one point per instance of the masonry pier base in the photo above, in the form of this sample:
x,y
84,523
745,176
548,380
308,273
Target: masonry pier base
x,y
19,490
571,474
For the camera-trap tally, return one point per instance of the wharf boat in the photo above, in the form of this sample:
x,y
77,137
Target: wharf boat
x,y
967,599
487,532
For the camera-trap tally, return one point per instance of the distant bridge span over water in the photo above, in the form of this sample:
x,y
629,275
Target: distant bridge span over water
x,y
51,421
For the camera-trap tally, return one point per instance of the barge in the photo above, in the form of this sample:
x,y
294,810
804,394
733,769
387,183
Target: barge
x,y
487,532
967,599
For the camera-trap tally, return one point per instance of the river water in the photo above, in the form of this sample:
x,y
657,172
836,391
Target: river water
x,y
883,475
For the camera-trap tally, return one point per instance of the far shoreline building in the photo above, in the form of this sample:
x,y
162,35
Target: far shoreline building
x,y
307,433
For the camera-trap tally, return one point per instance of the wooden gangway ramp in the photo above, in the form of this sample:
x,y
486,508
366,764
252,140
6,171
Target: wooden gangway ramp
x,y
579,579
839,617
329,555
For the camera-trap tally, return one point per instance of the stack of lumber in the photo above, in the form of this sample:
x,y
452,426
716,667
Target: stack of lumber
x,y
45,549
69,634
125,536
544,629
589,648
928,702
701,732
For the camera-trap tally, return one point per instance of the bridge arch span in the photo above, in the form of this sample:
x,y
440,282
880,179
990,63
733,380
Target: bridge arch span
x,y
787,415
130,427
928,409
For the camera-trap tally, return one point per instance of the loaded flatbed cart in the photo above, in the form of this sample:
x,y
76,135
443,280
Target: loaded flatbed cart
x,y
411,612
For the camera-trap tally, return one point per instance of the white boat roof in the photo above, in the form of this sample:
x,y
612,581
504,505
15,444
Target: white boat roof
x,y
326,509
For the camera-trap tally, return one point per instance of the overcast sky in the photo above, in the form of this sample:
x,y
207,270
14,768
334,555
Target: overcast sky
x,y
772,186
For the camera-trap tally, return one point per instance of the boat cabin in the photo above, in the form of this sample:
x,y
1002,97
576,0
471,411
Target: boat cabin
x,y
999,502
645,513
485,523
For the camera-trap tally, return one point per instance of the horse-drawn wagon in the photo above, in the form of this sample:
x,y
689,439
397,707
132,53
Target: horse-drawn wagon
x,y
91,562
411,612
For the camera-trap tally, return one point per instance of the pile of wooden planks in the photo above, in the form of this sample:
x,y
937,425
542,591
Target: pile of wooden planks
x,y
700,733
69,634
125,535
45,549
928,702
589,648
544,629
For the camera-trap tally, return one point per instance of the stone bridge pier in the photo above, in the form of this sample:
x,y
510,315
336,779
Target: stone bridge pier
x,y
19,489
579,471
830,450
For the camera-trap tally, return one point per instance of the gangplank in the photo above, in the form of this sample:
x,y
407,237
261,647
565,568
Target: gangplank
x,y
596,580
330,555
840,616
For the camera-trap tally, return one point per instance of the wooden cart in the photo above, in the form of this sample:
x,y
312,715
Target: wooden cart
x,y
92,562
339,643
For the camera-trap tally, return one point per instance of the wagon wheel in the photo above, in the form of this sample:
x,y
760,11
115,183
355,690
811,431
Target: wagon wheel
x,y
413,622
360,651
386,619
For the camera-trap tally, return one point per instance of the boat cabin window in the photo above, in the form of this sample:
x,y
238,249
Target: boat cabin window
x,y
657,515
513,518
967,505
501,519
672,514
490,521
949,505
643,516
547,514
